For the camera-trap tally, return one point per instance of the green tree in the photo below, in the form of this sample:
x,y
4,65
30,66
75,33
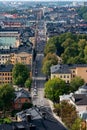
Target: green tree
x,y
68,42
20,74
82,43
76,83
70,47
51,57
50,48
48,61
46,67
6,97
54,88
85,54
28,83
77,124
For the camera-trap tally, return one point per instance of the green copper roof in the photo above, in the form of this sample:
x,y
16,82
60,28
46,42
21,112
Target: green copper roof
x,y
7,41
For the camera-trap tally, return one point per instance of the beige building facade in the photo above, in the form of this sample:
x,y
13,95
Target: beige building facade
x,y
22,54
68,72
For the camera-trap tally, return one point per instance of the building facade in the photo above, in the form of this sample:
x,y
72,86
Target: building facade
x,y
22,54
22,97
69,71
6,73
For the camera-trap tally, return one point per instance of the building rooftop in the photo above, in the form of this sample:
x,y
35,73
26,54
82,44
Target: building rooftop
x,y
41,122
60,68
65,68
7,41
21,48
9,67
80,99
22,94
6,68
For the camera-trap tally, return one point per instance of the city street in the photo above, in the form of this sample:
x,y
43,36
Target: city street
x,y
39,80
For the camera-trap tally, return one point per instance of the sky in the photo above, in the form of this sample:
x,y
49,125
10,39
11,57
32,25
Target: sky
x,y
44,0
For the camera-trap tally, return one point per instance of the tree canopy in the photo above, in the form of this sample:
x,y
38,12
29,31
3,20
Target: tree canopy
x,y
48,61
70,47
20,74
28,83
50,48
54,88
6,96
75,83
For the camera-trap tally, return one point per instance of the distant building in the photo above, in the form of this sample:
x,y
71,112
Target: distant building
x,y
22,54
75,3
9,39
69,71
85,3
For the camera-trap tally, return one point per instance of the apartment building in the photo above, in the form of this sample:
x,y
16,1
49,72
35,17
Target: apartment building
x,y
69,71
6,73
22,54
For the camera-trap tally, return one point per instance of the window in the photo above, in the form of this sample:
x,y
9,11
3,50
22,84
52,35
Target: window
x,y
64,76
60,76
73,71
67,76
5,78
26,100
67,81
23,58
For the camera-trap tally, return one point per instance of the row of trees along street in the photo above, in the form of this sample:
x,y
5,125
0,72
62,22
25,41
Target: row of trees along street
x,y
72,49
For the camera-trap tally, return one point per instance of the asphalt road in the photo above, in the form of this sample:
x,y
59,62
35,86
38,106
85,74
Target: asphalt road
x,y
39,80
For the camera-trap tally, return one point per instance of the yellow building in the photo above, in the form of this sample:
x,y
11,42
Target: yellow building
x,y
69,71
6,73
61,71
22,54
